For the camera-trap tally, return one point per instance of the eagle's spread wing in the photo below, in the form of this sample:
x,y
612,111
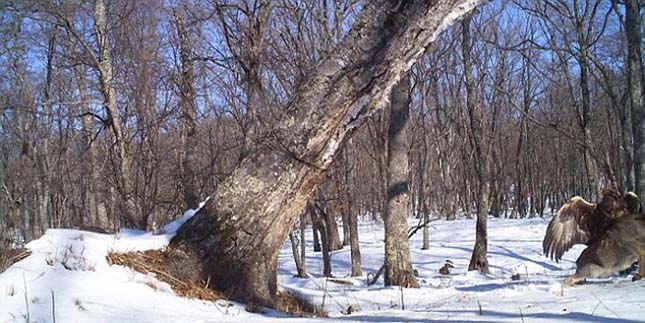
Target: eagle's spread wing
x,y
568,227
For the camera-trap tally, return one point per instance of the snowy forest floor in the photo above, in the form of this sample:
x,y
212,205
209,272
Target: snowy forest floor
x,y
67,277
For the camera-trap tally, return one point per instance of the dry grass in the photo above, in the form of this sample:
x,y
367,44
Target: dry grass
x,y
151,261
340,281
295,305
12,257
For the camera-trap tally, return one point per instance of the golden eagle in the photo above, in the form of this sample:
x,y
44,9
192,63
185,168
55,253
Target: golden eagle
x,y
613,229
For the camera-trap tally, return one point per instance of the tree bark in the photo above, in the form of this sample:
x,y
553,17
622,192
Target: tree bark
x,y
235,238
398,263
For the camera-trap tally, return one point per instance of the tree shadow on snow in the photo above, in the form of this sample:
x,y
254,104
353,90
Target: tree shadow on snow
x,y
513,254
402,318
517,317
494,286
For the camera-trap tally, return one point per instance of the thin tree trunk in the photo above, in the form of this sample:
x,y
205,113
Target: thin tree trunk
x,y
635,110
352,220
356,269
421,169
41,149
584,118
479,259
302,273
251,62
119,155
315,230
333,237
398,263
319,220
96,215
345,218
188,109
303,244
421,205
236,237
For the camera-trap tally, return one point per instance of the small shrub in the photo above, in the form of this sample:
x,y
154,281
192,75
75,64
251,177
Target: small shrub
x,y
11,291
79,305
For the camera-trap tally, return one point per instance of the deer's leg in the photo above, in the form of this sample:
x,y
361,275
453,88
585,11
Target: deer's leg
x,y
641,266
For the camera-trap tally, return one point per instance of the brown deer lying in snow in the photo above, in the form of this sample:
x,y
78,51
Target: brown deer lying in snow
x,y
613,230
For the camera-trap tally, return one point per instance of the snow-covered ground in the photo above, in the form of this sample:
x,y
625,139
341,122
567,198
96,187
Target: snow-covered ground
x,y
67,277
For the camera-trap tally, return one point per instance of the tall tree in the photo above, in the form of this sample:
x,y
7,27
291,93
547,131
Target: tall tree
x,y
119,152
398,263
479,259
352,218
95,208
237,235
635,109
188,107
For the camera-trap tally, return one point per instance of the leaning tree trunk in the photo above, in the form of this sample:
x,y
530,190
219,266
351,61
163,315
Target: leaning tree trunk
x,y
398,264
236,237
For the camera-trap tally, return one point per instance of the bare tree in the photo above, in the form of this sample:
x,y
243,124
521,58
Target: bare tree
x,y
479,259
635,110
188,138
398,263
120,159
352,218
299,254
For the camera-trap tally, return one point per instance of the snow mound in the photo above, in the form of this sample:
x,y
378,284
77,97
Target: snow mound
x,y
67,275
